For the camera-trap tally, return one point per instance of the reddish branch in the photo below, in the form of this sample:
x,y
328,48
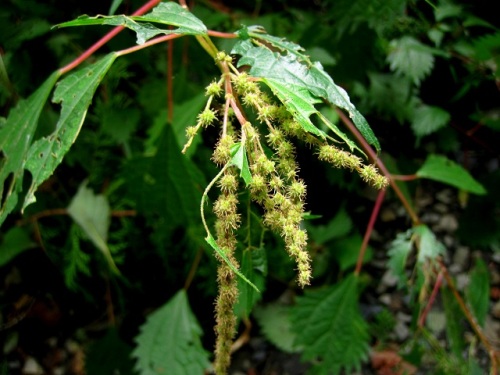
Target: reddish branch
x,y
372,154
369,230
106,38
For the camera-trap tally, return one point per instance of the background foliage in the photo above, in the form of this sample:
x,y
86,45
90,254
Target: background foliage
x,y
115,231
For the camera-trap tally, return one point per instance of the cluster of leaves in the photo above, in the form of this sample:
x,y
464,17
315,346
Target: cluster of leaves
x,y
272,98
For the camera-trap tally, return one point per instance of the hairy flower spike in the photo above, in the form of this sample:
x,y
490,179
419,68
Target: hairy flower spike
x,y
222,153
206,117
228,183
268,112
214,89
370,174
252,99
297,190
276,183
275,138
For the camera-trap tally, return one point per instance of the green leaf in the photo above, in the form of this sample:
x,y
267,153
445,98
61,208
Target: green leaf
x,y
454,324
185,115
295,69
240,160
92,213
428,245
331,329
478,291
339,226
392,96
77,260
16,136
428,119
75,92
169,13
274,321
251,261
163,186
398,253
99,359
169,341
221,253
410,58
346,251
114,6
439,168
14,242
298,101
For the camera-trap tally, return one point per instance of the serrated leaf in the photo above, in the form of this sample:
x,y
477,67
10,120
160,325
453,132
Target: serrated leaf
x,y
211,241
75,92
428,245
428,119
440,168
486,47
251,261
339,226
92,213
392,96
398,253
346,251
331,329
240,160
169,341
14,242
478,291
77,260
16,136
295,69
410,58
274,321
298,101
163,186
168,13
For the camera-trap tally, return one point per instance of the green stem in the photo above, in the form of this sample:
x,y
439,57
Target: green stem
x,y
207,45
205,194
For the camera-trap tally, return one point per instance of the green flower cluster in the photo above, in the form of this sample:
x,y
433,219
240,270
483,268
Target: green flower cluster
x,y
272,180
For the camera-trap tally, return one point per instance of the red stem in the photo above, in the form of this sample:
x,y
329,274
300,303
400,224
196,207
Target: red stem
x,y
369,230
408,177
220,34
106,38
432,298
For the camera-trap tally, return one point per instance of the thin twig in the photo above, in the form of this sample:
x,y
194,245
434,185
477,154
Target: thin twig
x,y
472,321
106,38
380,165
369,230
193,269
432,298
